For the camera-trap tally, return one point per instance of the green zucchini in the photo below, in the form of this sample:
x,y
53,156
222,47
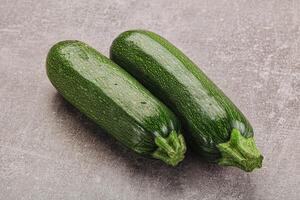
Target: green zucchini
x,y
213,125
117,102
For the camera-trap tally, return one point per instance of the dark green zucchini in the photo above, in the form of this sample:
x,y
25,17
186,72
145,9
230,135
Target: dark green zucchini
x,y
214,126
115,100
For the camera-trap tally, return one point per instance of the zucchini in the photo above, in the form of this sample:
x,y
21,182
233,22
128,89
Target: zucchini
x,y
113,99
213,125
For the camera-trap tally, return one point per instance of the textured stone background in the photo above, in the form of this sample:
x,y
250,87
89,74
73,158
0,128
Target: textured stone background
x,y
48,150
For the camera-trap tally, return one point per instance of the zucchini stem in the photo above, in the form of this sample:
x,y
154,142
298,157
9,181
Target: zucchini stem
x,y
240,152
171,149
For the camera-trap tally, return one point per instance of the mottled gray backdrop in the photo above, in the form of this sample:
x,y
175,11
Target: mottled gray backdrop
x,y
48,150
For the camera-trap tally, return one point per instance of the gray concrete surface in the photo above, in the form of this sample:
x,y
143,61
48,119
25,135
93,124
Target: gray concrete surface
x,y
48,150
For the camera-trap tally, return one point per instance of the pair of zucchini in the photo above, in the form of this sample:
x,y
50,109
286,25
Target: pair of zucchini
x,y
108,94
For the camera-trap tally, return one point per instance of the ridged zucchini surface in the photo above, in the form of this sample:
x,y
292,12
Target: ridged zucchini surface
x,y
113,99
213,125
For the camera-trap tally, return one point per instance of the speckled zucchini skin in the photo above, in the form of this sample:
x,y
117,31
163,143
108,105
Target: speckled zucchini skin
x,y
109,96
207,114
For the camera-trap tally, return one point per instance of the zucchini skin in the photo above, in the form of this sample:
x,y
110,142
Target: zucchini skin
x,y
207,114
109,96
